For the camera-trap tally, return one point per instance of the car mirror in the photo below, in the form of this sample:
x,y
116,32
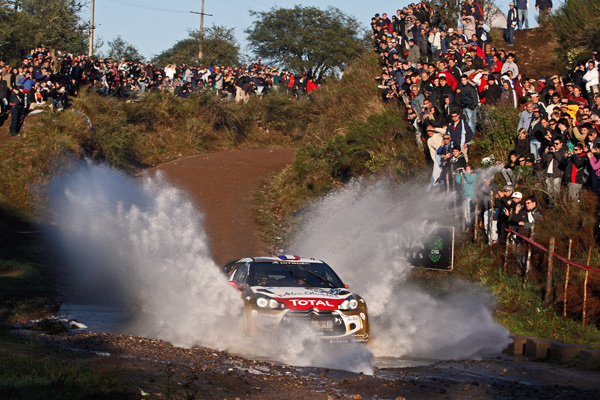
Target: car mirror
x,y
234,284
346,286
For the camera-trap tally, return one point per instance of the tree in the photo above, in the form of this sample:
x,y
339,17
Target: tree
x,y
576,23
306,39
54,24
119,48
220,47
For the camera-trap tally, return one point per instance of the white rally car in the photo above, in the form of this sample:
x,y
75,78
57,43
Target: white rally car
x,y
283,290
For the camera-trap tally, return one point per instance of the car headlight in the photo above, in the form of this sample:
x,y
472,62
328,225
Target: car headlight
x,y
349,304
266,302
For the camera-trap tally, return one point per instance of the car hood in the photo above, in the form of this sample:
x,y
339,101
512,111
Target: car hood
x,y
302,292
300,298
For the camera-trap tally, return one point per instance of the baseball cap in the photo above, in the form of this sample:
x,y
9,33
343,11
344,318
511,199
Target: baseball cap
x,y
517,195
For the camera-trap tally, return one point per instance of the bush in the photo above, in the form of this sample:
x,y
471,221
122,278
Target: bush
x,y
498,126
577,25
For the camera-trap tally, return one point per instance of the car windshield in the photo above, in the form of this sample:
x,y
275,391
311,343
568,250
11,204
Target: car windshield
x,y
287,274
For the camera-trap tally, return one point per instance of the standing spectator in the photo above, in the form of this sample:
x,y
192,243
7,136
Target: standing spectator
x,y
594,158
523,145
489,193
505,204
511,23
453,163
537,136
469,100
414,54
526,117
509,167
522,10
17,104
460,132
591,79
544,7
436,138
552,163
467,179
469,25
509,95
532,214
575,171
4,94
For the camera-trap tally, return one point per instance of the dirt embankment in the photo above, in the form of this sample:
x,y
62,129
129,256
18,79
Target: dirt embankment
x,y
223,185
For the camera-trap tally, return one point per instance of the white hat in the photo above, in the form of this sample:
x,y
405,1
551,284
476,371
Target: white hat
x,y
517,195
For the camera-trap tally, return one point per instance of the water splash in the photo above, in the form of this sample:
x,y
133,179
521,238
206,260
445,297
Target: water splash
x,y
358,230
142,244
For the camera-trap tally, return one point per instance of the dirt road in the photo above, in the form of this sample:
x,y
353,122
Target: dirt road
x,y
223,185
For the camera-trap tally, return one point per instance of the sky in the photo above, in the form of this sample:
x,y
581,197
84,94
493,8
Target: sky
x,y
153,26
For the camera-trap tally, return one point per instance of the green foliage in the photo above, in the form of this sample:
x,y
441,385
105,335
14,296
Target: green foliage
x,y
576,23
51,23
380,143
118,48
520,309
306,38
219,47
26,374
499,132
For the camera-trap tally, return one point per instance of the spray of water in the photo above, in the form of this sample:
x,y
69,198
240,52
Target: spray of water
x,y
359,231
142,244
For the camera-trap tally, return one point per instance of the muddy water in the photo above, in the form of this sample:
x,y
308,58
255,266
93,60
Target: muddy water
x,y
113,319
97,318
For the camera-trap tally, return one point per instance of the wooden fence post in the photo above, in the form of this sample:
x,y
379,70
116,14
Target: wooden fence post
x,y
507,241
491,220
549,275
585,287
567,279
528,265
476,223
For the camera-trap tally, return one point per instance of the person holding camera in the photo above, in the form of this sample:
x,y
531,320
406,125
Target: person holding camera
x,y
452,163
553,161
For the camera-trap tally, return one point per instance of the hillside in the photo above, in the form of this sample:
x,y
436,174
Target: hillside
x,y
535,51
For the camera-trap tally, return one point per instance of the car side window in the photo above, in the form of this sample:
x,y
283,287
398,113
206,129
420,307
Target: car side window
x,y
241,273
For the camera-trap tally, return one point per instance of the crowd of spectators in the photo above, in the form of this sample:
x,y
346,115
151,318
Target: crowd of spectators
x,y
443,74
41,79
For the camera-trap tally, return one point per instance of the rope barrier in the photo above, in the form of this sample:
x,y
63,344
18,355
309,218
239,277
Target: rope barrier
x,y
563,259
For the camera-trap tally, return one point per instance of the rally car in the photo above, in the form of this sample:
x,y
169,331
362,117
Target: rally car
x,y
281,291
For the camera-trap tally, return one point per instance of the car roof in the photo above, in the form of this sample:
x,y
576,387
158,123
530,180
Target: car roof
x,y
282,257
